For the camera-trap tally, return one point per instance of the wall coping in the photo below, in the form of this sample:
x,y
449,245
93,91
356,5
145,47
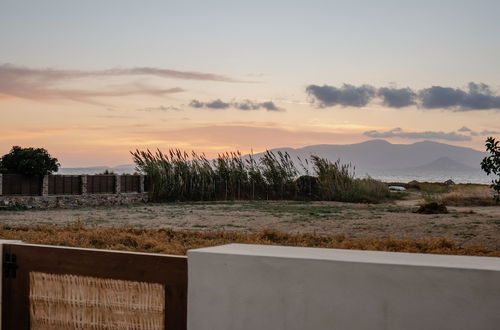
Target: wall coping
x,y
354,256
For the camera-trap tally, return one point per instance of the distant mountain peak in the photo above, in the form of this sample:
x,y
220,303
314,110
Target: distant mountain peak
x,y
379,142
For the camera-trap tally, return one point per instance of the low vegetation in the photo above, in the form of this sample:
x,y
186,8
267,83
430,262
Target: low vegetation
x,y
469,195
179,176
462,194
432,208
179,241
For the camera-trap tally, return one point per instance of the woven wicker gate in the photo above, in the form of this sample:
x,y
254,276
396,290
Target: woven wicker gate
x,y
65,288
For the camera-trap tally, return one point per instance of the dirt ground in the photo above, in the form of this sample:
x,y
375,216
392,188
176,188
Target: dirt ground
x,y
466,225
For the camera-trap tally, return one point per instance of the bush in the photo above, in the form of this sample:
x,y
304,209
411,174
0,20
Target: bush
x,y
308,187
369,190
337,183
432,208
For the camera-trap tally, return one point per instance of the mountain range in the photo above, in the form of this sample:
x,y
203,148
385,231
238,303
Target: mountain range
x,y
423,161
382,155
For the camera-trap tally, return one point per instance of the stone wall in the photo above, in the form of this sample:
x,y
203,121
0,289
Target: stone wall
x,y
69,201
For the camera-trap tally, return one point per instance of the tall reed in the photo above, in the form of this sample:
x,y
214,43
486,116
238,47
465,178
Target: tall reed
x,y
179,176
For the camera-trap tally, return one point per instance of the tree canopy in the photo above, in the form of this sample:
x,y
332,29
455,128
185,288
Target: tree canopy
x,y
491,164
29,162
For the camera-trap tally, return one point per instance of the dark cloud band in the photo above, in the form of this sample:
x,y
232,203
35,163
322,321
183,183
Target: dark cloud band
x,y
475,97
347,95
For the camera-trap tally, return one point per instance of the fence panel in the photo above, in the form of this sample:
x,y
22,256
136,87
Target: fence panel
x,y
101,184
15,184
65,184
130,183
68,288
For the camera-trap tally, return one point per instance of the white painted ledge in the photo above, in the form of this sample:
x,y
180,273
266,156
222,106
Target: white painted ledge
x,y
243,287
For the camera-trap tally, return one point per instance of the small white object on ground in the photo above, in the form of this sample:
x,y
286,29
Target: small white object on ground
x,y
397,188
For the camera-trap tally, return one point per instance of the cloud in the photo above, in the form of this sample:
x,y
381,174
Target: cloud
x,y
398,132
397,97
440,97
160,108
477,96
270,106
347,95
57,75
196,104
217,104
246,105
486,132
42,84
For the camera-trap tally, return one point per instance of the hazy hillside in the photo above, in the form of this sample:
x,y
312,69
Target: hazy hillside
x,y
121,169
446,164
425,160
380,154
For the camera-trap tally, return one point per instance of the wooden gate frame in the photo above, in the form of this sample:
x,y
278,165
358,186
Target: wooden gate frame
x,y
168,270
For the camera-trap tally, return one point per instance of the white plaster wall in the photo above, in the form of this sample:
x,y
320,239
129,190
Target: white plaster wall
x,y
240,287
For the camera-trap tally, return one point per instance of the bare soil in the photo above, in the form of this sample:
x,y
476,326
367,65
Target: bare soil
x,y
467,226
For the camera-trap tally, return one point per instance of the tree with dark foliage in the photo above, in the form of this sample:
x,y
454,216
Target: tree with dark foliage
x,y
29,162
491,164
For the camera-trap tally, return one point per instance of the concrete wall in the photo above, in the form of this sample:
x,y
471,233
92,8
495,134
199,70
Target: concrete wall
x,y
240,287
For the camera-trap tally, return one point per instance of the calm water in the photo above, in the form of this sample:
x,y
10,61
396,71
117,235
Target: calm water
x,y
467,177
386,176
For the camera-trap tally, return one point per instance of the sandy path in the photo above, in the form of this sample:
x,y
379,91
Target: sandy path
x,y
465,225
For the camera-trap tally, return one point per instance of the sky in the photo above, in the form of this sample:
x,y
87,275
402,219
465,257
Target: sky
x,y
92,80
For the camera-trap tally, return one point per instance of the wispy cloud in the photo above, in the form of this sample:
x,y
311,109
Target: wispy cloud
x,y
49,74
245,105
160,108
477,96
40,84
484,133
431,135
467,130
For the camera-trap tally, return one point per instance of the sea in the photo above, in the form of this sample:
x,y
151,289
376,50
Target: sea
x,y
457,177
385,176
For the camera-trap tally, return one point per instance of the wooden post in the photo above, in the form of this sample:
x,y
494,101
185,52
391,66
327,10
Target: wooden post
x,y
118,184
141,184
45,185
84,184
1,184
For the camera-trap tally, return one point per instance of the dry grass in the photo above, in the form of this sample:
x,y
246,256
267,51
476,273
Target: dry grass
x,y
179,241
469,195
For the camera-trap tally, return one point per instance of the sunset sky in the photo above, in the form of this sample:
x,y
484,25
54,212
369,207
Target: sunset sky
x,y
92,80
